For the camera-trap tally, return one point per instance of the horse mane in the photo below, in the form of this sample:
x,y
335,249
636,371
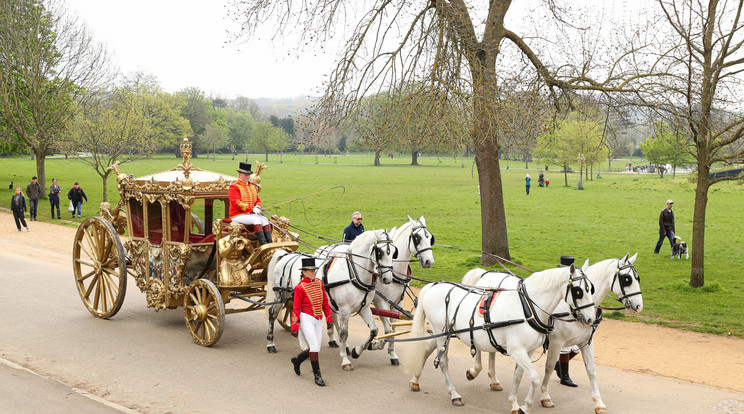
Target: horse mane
x,y
547,279
398,233
366,238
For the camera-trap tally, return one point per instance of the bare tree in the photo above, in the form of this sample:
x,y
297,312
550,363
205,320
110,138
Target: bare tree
x,y
47,62
454,45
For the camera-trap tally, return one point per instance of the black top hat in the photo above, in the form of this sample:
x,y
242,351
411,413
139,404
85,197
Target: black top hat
x,y
308,263
245,168
567,260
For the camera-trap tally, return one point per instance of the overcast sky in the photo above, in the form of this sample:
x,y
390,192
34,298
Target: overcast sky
x,y
184,43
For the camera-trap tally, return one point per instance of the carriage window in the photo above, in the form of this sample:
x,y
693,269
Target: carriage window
x,y
177,221
155,222
138,225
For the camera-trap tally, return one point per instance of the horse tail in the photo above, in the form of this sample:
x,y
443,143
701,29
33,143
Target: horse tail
x,y
472,277
270,275
413,356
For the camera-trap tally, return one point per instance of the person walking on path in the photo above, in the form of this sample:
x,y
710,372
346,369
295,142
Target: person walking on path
x,y
310,304
18,206
354,229
33,190
541,179
76,195
666,226
527,180
54,191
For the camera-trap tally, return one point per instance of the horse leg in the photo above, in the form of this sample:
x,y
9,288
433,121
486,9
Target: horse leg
x,y
473,372
332,343
495,383
553,352
367,317
431,345
444,366
273,313
394,360
587,353
525,365
343,335
516,380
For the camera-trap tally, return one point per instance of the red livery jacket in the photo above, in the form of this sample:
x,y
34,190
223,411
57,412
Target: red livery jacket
x,y
310,298
243,198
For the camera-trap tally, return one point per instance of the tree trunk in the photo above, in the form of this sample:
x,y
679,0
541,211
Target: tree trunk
x,y
493,215
565,173
414,158
377,158
267,156
609,165
104,179
674,171
40,168
697,273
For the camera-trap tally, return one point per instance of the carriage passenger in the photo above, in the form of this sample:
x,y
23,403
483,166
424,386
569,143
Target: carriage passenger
x,y
310,304
246,207
354,229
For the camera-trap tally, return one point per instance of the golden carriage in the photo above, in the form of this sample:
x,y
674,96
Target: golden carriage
x,y
180,249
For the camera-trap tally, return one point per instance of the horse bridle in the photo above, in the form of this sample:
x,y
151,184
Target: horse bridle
x,y
378,253
577,292
415,239
625,280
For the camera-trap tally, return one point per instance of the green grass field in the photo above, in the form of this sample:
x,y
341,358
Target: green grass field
x,y
610,217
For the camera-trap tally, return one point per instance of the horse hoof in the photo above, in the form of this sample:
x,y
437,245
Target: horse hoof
x,y
600,410
333,344
496,387
547,403
354,354
457,402
414,386
394,361
348,367
520,411
271,349
469,375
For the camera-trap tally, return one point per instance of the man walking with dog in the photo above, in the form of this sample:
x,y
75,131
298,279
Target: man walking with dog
x,y
666,226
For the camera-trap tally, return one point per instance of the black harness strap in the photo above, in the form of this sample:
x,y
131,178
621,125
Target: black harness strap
x,y
447,327
487,321
209,261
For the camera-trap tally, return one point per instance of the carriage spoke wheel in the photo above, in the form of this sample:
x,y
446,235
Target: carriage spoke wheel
x,y
99,264
284,317
204,312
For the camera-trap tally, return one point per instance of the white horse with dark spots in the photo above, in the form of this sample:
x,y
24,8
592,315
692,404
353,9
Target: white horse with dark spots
x,y
413,239
512,318
616,275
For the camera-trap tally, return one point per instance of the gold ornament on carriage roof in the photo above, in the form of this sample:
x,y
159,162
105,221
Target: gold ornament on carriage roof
x,y
255,179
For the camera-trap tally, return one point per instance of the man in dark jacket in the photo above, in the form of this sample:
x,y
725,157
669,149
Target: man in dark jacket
x,y
18,206
355,228
76,195
34,193
666,226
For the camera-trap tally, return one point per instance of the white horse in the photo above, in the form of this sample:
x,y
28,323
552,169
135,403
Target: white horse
x,y
411,239
512,317
616,275
349,274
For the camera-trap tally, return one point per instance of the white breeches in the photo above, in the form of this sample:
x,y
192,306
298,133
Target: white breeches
x,y
312,331
251,219
569,349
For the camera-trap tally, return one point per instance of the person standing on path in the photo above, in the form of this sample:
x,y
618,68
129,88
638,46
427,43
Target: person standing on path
x,y
76,195
666,226
310,304
18,206
33,190
527,180
54,191
354,229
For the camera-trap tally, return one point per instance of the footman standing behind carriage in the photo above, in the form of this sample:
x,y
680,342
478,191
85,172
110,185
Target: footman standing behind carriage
x,y
310,304
246,207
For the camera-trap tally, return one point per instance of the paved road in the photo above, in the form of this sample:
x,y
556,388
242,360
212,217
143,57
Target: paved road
x,y
145,361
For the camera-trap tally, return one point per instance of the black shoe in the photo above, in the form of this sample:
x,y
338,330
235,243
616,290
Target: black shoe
x,y
316,371
565,379
298,360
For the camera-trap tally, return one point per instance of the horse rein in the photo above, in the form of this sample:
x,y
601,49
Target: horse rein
x,y
623,280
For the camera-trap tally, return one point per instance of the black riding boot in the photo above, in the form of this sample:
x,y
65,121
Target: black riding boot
x,y
267,236
261,238
316,371
299,359
561,368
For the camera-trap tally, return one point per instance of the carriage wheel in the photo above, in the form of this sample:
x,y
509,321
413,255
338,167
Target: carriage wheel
x,y
284,317
99,263
204,312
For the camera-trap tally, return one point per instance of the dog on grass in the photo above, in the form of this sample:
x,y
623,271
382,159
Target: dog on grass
x,y
679,248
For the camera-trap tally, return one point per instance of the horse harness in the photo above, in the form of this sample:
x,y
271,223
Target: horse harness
x,y
625,280
354,274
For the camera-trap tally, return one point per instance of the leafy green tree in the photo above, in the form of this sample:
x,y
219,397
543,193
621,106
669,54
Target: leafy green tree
x,y
266,138
239,126
197,110
667,146
215,137
47,62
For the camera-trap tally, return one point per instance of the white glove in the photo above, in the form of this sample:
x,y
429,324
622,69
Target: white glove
x,y
257,210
